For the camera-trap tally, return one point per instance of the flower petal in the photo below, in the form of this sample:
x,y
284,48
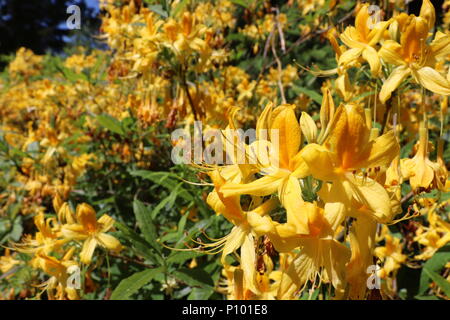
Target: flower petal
x,y
73,231
392,83
372,200
320,162
106,222
432,80
440,47
109,242
350,56
382,151
262,187
390,52
371,56
248,262
309,127
285,133
88,250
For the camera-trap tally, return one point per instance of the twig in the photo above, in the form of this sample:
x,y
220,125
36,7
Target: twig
x,y
280,30
280,72
407,197
298,42
188,94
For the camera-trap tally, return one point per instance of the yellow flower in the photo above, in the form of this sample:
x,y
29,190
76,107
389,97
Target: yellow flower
x,y
281,175
362,241
433,237
58,271
45,240
413,56
242,235
91,231
390,254
423,174
7,262
320,255
361,40
347,150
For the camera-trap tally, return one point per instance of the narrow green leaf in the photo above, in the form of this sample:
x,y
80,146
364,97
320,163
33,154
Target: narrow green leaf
x,y
200,294
166,179
132,284
161,205
157,8
310,93
145,223
139,245
110,123
241,3
194,277
182,256
179,8
426,298
435,264
439,280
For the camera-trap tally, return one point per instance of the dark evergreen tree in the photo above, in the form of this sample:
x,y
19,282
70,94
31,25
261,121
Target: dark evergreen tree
x,y
40,25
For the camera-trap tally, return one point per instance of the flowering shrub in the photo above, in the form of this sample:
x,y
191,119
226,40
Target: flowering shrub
x,y
320,171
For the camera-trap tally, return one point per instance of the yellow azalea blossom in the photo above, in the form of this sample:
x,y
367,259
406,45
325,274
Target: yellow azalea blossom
x,y
390,254
433,237
46,239
423,174
183,36
281,176
58,271
91,231
320,255
7,261
413,56
241,236
346,151
234,286
362,39
362,242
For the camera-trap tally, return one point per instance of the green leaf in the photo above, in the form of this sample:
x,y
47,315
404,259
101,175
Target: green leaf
x,y
200,293
165,179
194,277
110,123
145,223
157,8
182,224
139,244
132,284
162,204
71,75
241,3
435,264
363,95
179,8
181,257
310,93
426,298
439,280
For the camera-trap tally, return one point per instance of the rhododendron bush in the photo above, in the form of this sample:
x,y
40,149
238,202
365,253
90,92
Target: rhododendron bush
x,y
231,150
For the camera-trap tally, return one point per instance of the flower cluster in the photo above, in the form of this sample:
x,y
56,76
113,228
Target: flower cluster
x,y
320,209
63,244
343,186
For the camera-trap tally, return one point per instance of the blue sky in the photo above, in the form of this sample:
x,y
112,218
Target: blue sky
x,y
92,3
